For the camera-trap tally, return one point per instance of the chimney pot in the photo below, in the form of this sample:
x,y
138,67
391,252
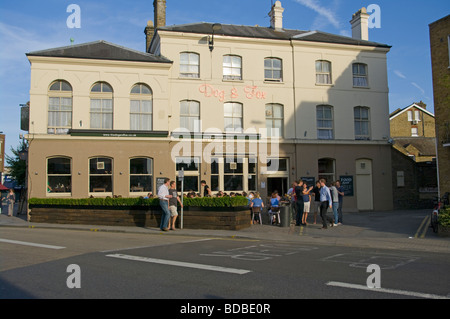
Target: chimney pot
x,y
276,16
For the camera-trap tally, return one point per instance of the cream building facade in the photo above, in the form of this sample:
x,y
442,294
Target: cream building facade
x,y
243,108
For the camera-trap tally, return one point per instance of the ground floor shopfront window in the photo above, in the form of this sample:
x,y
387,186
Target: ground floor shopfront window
x,y
100,175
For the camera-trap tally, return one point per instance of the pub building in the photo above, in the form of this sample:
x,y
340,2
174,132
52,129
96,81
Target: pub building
x,y
245,108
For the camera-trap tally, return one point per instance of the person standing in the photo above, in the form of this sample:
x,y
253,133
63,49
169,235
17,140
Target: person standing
x,y
173,203
325,203
340,190
291,193
163,195
316,202
306,202
206,189
299,203
335,196
11,199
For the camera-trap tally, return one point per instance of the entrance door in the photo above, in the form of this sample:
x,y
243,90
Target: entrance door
x,y
279,184
364,188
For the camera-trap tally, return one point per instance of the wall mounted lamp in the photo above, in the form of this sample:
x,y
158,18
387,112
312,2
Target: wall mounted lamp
x,y
215,27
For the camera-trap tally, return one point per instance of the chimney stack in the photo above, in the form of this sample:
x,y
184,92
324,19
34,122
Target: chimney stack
x,y
276,16
159,9
360,25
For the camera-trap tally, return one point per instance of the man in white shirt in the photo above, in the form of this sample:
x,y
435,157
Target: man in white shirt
x,y
163,195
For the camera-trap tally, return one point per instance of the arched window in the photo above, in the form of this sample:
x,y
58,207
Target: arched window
x,y
59,175
323,72
327,169
59,108
141,175
189,65
232,67
100,175
141,108
273,69
325,122
102,106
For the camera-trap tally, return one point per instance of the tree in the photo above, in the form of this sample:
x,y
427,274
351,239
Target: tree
x,y
17,166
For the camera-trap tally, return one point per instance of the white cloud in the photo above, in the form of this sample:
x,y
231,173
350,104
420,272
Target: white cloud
x,y
418,86
399,74
324,12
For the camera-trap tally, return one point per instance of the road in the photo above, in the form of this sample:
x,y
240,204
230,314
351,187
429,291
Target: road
x,y
38,263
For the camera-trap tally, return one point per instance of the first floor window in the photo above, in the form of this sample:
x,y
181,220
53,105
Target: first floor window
x,y
101,113
141,175
100,175
362,121
233,117
59,115
274,120
324,122
141,115
323,72
360,75
59,175
190,115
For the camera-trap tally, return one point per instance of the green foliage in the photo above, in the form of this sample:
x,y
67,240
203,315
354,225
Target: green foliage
x,y
117,202
444,217
18,167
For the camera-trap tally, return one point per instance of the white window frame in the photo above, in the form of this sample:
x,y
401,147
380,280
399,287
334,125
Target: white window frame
x,y
228,74
102,96
360,77
361,121
190,65
273,69
193,127
141,115
324,128
58,128
234,116
56,194
320,73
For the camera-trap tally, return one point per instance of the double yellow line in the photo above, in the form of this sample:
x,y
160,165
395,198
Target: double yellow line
x,y
423,228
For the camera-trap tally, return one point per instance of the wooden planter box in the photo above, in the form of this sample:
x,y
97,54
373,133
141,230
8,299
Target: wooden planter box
x,y
229,218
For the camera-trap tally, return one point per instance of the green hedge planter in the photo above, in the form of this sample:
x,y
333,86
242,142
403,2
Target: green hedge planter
x,y
228,213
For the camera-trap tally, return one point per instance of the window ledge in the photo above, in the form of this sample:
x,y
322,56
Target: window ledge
x,y
361,87
323,84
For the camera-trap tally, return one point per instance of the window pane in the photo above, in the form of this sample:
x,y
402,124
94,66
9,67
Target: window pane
x,y
56,86
233,182
236,61
106,88
59,184
97,88
146,106
190,184
96,105
141,166
187,163
140,184
268,63
65,86
100,184
53,103
227,61
136,90
277,111
58,166
100,165
276,64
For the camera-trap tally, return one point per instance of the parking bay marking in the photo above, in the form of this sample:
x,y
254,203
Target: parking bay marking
x,y
181,264
384,290
24,243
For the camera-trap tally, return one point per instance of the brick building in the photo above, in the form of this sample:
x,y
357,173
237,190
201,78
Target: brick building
x,y
440,58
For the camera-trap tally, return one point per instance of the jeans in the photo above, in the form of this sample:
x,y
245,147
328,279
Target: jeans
x,y
323,214
165,215
335,211
340,211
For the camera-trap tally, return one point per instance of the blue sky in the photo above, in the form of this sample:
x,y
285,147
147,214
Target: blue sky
x,y
30,25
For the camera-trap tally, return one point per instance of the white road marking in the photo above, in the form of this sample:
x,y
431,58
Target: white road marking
x,y
24,243
180,264
158,245
384,290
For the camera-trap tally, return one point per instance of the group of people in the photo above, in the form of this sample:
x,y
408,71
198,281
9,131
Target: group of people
x,y
324,198
10,199
168,199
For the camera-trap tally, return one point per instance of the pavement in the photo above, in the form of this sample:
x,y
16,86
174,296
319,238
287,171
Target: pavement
x,y
391,230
